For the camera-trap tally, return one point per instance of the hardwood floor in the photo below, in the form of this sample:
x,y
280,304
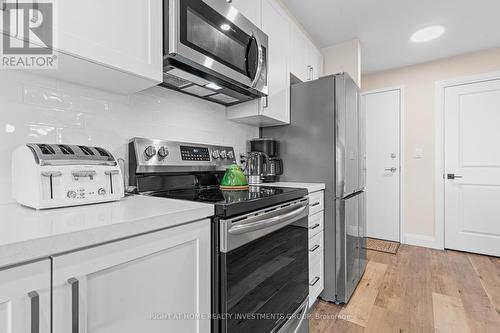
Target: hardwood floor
x,y
419,290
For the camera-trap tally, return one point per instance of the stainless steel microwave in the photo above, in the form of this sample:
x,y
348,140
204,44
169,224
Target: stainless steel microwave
x,y
213,52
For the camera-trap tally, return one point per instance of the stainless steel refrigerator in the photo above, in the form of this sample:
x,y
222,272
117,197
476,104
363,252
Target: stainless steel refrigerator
x,y
325,142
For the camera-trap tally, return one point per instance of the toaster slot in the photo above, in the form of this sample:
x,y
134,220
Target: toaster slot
x,y
48,183
111,174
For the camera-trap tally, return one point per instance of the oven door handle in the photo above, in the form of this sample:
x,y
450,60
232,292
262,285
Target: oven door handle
x,y
289,218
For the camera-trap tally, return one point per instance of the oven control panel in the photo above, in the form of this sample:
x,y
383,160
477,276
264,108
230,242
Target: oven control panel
x,y
190,153
172,156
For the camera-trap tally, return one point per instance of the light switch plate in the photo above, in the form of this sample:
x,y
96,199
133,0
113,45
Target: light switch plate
x,y
419,153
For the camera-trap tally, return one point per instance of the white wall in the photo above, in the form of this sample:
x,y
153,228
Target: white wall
x,y
343,57
37,109
419,82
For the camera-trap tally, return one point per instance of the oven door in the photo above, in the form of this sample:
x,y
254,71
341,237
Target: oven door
x,y
264,270
213,34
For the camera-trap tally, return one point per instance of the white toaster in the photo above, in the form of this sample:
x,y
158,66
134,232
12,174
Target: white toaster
x,y
55,175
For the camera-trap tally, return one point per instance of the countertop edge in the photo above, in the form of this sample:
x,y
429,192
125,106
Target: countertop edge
x,y
40,248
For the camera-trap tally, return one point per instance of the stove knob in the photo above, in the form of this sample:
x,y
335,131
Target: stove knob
x,y
149,152
163,152
71,194
101,191
215,154
230,154
223,154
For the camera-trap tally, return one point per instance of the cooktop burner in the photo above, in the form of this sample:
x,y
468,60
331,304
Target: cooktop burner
x,y
230,203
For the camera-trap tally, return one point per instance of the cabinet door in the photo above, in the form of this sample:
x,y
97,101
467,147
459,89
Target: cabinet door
x,y
251,9
316,62
299,54
122,34
275,23
25,298
155,283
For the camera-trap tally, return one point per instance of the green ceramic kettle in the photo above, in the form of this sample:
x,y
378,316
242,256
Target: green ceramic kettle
x,y
234,176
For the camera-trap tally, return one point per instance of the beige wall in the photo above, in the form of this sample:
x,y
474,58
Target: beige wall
x,y
419,89
343,57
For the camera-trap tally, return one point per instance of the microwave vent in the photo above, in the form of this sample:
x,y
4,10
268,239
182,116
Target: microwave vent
x,y
224,98
198,91
175,81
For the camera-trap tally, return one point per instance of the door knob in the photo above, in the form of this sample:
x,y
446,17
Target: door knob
x,y
393,169
453,176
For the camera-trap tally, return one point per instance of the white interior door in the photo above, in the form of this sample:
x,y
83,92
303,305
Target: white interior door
x,y
383,112
472,164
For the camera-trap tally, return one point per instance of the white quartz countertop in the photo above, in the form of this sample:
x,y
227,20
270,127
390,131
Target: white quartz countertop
x,y
27,234
311,187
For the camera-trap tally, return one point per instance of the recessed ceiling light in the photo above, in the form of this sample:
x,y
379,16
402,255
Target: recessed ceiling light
x,y
213,86
225,27
427,34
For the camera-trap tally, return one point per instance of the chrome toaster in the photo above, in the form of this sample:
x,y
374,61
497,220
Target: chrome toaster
x,y
56,175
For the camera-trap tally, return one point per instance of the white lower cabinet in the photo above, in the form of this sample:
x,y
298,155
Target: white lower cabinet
x,y
157,282
316,246
25,298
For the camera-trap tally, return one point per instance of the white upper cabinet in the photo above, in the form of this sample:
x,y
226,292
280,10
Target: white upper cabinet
x,y
315,61
290,52
122,34
115,45
274,109
306,59
251,9
276,24
299,54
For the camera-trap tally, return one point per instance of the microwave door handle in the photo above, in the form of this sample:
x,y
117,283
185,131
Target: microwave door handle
x,y
290,217
260,62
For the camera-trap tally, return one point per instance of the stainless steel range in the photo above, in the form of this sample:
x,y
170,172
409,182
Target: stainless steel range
x,y
259,235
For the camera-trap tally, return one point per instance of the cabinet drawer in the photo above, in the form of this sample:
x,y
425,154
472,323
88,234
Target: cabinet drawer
x,y
316,282
316,249
316,202
316,222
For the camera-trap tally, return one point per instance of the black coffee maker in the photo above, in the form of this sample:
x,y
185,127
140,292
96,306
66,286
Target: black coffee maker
x,y
274,164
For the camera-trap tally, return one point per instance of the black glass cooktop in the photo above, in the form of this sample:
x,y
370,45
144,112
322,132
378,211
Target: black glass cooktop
x,y
230,203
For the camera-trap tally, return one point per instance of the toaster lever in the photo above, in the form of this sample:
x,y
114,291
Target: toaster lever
x,y
110,173
51,173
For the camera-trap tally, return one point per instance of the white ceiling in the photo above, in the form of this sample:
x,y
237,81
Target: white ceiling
x,y
385,26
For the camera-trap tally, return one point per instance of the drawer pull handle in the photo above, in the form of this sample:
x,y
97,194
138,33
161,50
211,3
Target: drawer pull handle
x,y
316,279
314,226
35,311
314,248
315,204
75,304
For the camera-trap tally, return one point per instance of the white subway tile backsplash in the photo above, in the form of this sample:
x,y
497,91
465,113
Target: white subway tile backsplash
x,y
49,98
39,109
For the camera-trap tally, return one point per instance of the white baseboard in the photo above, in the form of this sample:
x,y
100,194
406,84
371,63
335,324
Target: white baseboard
x,y
422,240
